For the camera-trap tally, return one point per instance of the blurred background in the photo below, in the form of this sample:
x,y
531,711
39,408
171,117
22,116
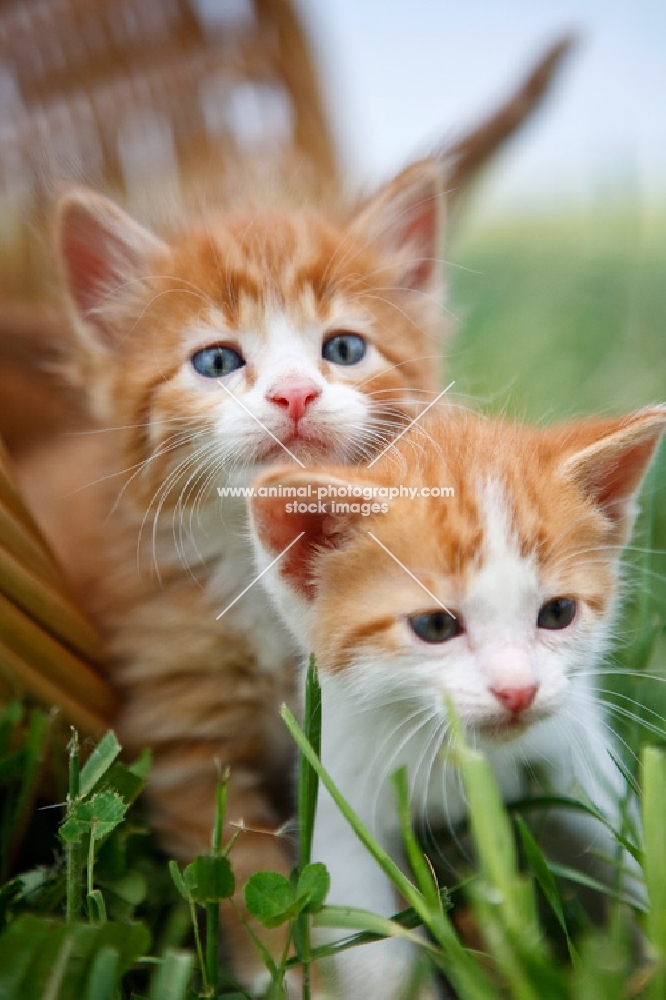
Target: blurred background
x,y
555,256
559,258
398,75
557,262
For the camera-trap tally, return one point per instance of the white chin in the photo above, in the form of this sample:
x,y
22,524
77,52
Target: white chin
x,y
306,451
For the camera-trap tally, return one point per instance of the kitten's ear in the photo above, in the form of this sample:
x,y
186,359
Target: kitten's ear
x,y
292,536
100,249
406,219
611,469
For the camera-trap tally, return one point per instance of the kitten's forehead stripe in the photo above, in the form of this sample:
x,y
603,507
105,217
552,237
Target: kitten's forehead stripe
x,y
365,632
515,534
504,589
219,282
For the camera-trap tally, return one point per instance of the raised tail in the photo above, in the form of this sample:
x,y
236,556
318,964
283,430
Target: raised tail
x,y
464,157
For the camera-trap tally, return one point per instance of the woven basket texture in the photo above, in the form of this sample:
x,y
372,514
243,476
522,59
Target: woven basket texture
x,y
161,104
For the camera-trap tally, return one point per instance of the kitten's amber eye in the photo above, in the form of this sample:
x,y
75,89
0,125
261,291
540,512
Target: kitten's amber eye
x,y
435,626
557,613
344,349
217,361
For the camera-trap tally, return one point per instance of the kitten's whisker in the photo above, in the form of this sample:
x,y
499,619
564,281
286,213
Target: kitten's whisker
x,y
621,672
416,719
410,319
119,427
162,492
410,425
160,496
170,443
587,700
394,367
457,778
178,512
260,422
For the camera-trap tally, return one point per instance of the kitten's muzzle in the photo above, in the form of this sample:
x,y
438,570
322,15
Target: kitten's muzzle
x,y
294,396
515,699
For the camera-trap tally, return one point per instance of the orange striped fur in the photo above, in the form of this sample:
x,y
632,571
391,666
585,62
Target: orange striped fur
x,y
498,600
132,509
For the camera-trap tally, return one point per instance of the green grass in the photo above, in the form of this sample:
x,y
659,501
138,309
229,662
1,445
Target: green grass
x,y
558,318
561,317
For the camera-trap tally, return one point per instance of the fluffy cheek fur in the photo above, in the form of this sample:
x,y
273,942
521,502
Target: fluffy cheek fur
x,y
384,666
217,439
398,674
180,424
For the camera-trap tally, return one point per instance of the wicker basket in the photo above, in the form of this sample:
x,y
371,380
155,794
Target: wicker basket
x,y
151,100
155,102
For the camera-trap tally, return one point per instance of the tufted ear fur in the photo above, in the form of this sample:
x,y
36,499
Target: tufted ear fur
x,y
405,218
101,250
611,468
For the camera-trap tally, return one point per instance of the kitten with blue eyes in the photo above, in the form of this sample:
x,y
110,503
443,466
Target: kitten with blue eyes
x,y
499,599
265,334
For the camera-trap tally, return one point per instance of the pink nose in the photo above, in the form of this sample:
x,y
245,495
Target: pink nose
x,y
516,700
294,397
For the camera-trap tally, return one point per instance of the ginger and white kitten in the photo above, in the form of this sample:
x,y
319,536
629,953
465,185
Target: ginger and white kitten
x,y
524,558
261,333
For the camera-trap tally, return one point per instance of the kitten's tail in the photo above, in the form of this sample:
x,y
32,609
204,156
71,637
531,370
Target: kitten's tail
x,y
464,157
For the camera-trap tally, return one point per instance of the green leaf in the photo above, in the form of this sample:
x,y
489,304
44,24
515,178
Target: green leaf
x,y
352,918
488,819
99,762
545,879
418,862
178,879
400,880
142,765
11,766
19,945
123,781
653,770
209,879
26,765
103,975
132,887
99,814
582,878
467,976
308,780
9,894
10,717
170,980
313,884
95,901
269,897
47,959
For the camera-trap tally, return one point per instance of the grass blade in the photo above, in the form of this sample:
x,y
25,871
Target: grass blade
x,y
653,762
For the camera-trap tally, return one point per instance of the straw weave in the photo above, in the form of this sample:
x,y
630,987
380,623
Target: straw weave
x,y
152,101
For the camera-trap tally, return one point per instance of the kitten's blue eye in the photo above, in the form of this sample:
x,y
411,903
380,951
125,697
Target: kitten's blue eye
x,y
217,361
435,626
557,614
344,349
